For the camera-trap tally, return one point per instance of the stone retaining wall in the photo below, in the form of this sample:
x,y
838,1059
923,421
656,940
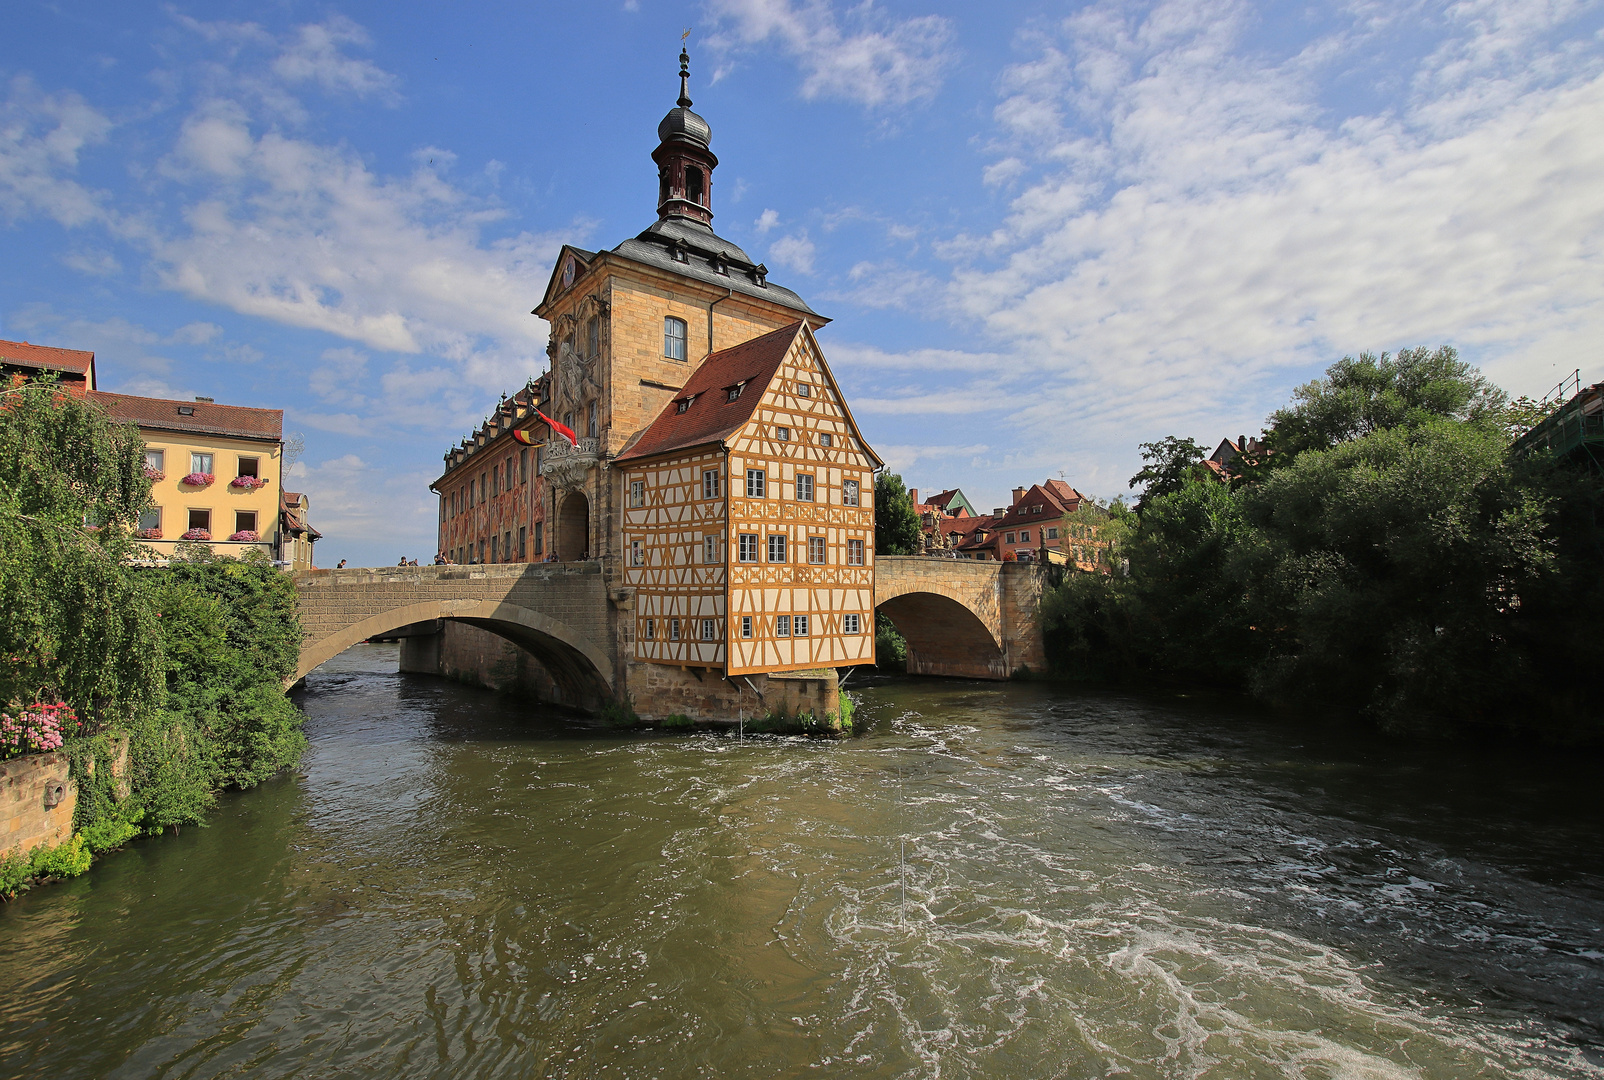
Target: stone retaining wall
x,y
36,802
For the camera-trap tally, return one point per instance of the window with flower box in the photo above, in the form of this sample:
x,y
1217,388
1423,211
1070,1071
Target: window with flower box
x,y
150,521
249,466
244,521
200,463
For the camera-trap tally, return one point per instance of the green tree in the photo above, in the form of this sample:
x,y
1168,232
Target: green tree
x,y
1372,393
896,526
78,624
1171,464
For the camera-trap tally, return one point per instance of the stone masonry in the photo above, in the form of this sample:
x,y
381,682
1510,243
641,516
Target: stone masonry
x,y
36,802
548,631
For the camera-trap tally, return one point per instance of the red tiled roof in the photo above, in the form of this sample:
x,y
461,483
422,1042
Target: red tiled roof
x,y
47,357
207,418
711,416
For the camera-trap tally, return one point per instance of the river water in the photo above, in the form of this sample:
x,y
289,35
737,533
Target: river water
x,y
991,880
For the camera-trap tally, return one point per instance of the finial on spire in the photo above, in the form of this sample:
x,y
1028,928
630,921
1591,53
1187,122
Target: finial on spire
x,y
684,101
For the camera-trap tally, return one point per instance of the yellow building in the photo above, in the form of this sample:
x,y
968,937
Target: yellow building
x,y
216,473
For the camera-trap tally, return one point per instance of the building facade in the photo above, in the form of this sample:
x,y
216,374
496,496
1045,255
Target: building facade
x,y
216,474
492,496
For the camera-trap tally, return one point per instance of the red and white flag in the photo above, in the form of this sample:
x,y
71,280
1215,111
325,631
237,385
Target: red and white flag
x,y
562,429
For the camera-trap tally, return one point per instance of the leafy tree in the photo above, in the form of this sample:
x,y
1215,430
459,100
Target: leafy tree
x,y
1373,393
77,625
896,526
1171,464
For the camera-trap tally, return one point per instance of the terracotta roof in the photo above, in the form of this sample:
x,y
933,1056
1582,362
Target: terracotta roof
x,y
205,418
711,416
47,358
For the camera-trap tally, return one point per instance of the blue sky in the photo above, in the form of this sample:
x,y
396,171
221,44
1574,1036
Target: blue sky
x,y
1046,232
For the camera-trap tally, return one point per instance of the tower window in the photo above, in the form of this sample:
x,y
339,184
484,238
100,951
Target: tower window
x,y
674,338
694,190
593,337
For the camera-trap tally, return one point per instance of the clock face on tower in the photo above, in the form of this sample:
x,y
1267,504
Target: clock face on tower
x,y
568,272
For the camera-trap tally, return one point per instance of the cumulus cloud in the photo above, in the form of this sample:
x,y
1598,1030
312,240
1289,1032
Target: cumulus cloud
x,y
861,55
314,54
795,251
766,222
41,139
354,503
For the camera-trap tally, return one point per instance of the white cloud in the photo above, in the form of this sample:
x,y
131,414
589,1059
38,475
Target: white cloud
x,y
307,235
41,139
876,60
314,55
1197,229
795,251
766,221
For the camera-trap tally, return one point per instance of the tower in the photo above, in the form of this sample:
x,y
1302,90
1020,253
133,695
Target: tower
x,y
685,159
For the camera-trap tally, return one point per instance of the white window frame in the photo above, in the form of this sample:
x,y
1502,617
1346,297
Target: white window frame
x,y
777,546
709,629
799,626
749,544
804,390
854,552
673,629
196,458
650,633
746,626
637,553
804,487
756,483
782,626
818,545
156,459
851,493
710,483
826,439
783,434
637,494
710,549
851,624
676,338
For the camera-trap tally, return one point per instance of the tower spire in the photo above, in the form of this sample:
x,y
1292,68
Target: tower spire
x,y
684,101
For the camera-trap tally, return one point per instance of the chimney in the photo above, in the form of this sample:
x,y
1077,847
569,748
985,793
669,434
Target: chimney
x,y
203,400
1000,511
913,496
1242,443
1019,493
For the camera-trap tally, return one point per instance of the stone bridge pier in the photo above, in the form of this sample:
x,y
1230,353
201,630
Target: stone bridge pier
x,y
962,617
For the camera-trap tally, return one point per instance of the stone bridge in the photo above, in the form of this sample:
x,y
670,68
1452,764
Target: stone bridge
x,y
960,617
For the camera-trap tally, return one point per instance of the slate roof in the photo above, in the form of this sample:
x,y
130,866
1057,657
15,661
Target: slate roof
x,y
207,418
704,249
711,416
47,358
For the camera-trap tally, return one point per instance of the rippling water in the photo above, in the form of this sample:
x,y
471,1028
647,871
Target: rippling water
x,y
994,880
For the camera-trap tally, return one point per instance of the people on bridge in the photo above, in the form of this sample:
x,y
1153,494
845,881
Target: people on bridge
x,y
440,559
340,565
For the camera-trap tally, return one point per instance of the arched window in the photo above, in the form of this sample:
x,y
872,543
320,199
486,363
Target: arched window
x,y
662,186
674,338
693,185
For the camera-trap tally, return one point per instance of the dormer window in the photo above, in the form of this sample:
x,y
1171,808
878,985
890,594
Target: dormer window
x,y
735,391
681,252
718,265
684,403
760,274
186,410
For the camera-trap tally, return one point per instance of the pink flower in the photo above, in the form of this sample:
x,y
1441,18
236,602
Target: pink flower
x,y
249,483
198,479
197,534
36,728
245,536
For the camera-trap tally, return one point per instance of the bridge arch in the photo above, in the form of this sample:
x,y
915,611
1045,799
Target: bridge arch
x,y
580,666
951,612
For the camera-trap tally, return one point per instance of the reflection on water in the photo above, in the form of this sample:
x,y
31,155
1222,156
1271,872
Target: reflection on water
x,y
994,880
